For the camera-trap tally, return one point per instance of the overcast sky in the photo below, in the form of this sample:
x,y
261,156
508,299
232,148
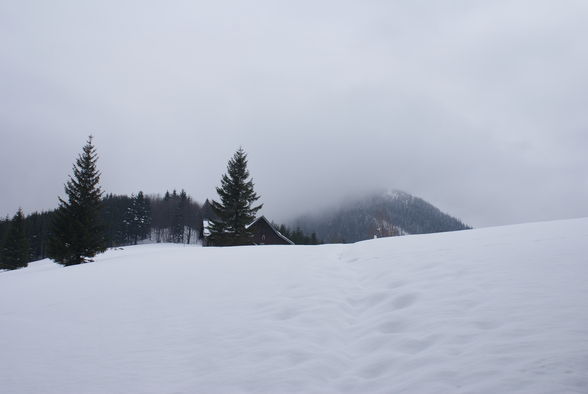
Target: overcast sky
x,y
479,107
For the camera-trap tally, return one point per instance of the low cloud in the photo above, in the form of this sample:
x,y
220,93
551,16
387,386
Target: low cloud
x,y
477,107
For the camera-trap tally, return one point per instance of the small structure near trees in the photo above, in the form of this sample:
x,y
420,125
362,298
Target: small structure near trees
x,y
261,230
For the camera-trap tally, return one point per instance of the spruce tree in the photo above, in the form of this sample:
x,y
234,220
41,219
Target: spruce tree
x,y
179,216
182,219
235,211
138,218
4,226
143,216
131,221
15,251
77,234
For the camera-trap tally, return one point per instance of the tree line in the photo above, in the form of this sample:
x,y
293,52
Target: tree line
x,y
88,221
129,220
297,235
126,220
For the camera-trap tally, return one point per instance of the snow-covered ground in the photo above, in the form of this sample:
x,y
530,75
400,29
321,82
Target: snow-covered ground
x,y
495,310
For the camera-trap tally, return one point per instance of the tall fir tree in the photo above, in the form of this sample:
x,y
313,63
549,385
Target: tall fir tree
x,y
15,251
235,211
77,234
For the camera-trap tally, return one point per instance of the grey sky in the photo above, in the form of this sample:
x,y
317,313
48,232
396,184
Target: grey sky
x,y
476,106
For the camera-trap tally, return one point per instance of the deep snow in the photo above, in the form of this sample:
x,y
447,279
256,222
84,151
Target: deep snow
x,y
495,310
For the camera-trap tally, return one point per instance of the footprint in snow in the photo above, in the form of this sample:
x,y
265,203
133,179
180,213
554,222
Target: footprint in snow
x,y
392,327
404,301
369,301
396,284
414,346
376,369
487,325
286,314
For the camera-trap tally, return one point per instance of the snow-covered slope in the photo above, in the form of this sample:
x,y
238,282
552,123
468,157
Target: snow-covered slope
x,y
496,310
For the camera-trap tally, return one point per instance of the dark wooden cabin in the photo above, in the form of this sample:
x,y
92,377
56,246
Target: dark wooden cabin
x,y
265,234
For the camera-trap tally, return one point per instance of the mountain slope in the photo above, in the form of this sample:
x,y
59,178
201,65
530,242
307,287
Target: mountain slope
x,y
379,214
495,310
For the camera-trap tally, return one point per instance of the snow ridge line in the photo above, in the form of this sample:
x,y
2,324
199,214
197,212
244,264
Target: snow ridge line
x,y
373,309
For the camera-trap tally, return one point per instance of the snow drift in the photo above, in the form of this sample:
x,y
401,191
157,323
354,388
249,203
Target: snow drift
x,y
495,310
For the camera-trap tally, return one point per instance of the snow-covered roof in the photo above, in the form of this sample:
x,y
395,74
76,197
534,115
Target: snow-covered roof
x,y
205,229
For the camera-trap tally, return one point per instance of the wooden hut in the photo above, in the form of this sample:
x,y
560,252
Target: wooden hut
x,y
263,233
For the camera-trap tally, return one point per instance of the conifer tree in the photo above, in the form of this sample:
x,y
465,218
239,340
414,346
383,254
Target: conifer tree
x,y
179,216
77,233
131,221
4,226
313,239
137,218
235,211
143,216
15,251
182,219
207,211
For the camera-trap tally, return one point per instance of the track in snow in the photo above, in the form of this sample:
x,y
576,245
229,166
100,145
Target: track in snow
x,y
481,311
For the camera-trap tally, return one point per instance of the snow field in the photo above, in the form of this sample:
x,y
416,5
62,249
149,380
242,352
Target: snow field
x,y
496,310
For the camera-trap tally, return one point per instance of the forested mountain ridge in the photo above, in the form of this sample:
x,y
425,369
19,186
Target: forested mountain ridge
x,y
381,214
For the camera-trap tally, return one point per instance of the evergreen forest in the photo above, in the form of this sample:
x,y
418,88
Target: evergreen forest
x,y
173,217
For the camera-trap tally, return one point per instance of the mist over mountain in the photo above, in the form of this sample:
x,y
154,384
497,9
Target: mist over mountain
x,y
380,214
